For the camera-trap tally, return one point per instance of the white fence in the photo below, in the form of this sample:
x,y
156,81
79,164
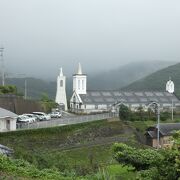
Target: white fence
x,y
65,121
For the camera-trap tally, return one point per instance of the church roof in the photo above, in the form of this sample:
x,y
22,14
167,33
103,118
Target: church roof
x,y
128,97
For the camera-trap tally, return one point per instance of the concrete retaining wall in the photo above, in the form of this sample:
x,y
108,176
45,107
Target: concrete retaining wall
x,y
19,105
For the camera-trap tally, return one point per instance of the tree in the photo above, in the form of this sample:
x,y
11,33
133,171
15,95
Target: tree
x,y
47,103
45,98
8,89
176,148
124,112
149,163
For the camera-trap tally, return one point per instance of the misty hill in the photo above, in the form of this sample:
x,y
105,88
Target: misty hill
x,y
113,79
122,76
157,80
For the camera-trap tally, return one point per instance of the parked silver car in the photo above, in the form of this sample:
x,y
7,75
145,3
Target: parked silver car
x,y
43,115
56,115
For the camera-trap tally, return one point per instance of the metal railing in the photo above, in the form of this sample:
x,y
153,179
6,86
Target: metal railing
x,y
65,121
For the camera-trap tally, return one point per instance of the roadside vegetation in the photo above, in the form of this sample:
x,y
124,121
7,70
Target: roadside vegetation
x,y
82,151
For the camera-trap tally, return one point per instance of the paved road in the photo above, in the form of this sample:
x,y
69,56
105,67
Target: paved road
x,y
66,120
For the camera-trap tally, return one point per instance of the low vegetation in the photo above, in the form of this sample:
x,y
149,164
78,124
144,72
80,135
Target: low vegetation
x,y
80,151
126,114
17,168
75,150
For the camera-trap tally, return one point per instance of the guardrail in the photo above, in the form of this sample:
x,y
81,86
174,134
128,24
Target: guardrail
x,y
65,121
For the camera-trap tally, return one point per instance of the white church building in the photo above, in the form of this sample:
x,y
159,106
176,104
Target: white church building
x,y
97,101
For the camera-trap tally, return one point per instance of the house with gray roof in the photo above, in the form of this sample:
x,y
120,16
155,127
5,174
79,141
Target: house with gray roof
x,y
165,133
86,101
7,120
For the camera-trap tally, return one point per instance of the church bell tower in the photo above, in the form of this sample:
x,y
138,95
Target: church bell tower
x,y
61,90
80,81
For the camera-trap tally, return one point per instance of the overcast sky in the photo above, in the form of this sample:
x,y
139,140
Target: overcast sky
x,y
40,36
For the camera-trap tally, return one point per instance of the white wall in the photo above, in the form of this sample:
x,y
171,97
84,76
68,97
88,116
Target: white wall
x,y
2,125
12,125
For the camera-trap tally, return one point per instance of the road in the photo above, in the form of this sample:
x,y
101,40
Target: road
x,y
65,120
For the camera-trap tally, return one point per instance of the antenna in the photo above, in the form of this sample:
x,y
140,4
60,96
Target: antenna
x,y
2,61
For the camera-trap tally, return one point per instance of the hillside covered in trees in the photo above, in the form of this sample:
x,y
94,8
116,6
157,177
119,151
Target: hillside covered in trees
x,y
157,81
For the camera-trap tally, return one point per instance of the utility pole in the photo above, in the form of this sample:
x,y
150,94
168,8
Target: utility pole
x,y
170,89
157,109
158,128
172,110
25,89
2,60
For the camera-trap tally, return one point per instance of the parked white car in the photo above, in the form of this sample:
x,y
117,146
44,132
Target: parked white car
x,y
24,119
56,114
32,116
43,115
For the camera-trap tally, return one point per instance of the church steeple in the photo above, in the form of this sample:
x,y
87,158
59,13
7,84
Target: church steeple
x,y
79,81
61,72
79,72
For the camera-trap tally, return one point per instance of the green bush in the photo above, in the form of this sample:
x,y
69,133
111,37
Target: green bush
x,y
8,89
151,164
22,168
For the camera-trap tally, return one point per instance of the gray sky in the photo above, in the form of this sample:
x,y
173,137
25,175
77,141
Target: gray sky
x,y
40,36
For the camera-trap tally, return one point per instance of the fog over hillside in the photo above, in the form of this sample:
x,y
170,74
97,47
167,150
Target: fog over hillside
x,y
110,80
41,36
122,76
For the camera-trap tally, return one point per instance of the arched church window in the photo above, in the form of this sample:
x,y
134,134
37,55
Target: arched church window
x,y
61,83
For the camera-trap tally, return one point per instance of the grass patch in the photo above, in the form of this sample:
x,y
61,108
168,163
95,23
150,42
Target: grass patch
x,y
118,171
141,125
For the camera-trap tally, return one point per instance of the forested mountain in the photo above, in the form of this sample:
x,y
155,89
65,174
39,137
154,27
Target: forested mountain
x,y
157,80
